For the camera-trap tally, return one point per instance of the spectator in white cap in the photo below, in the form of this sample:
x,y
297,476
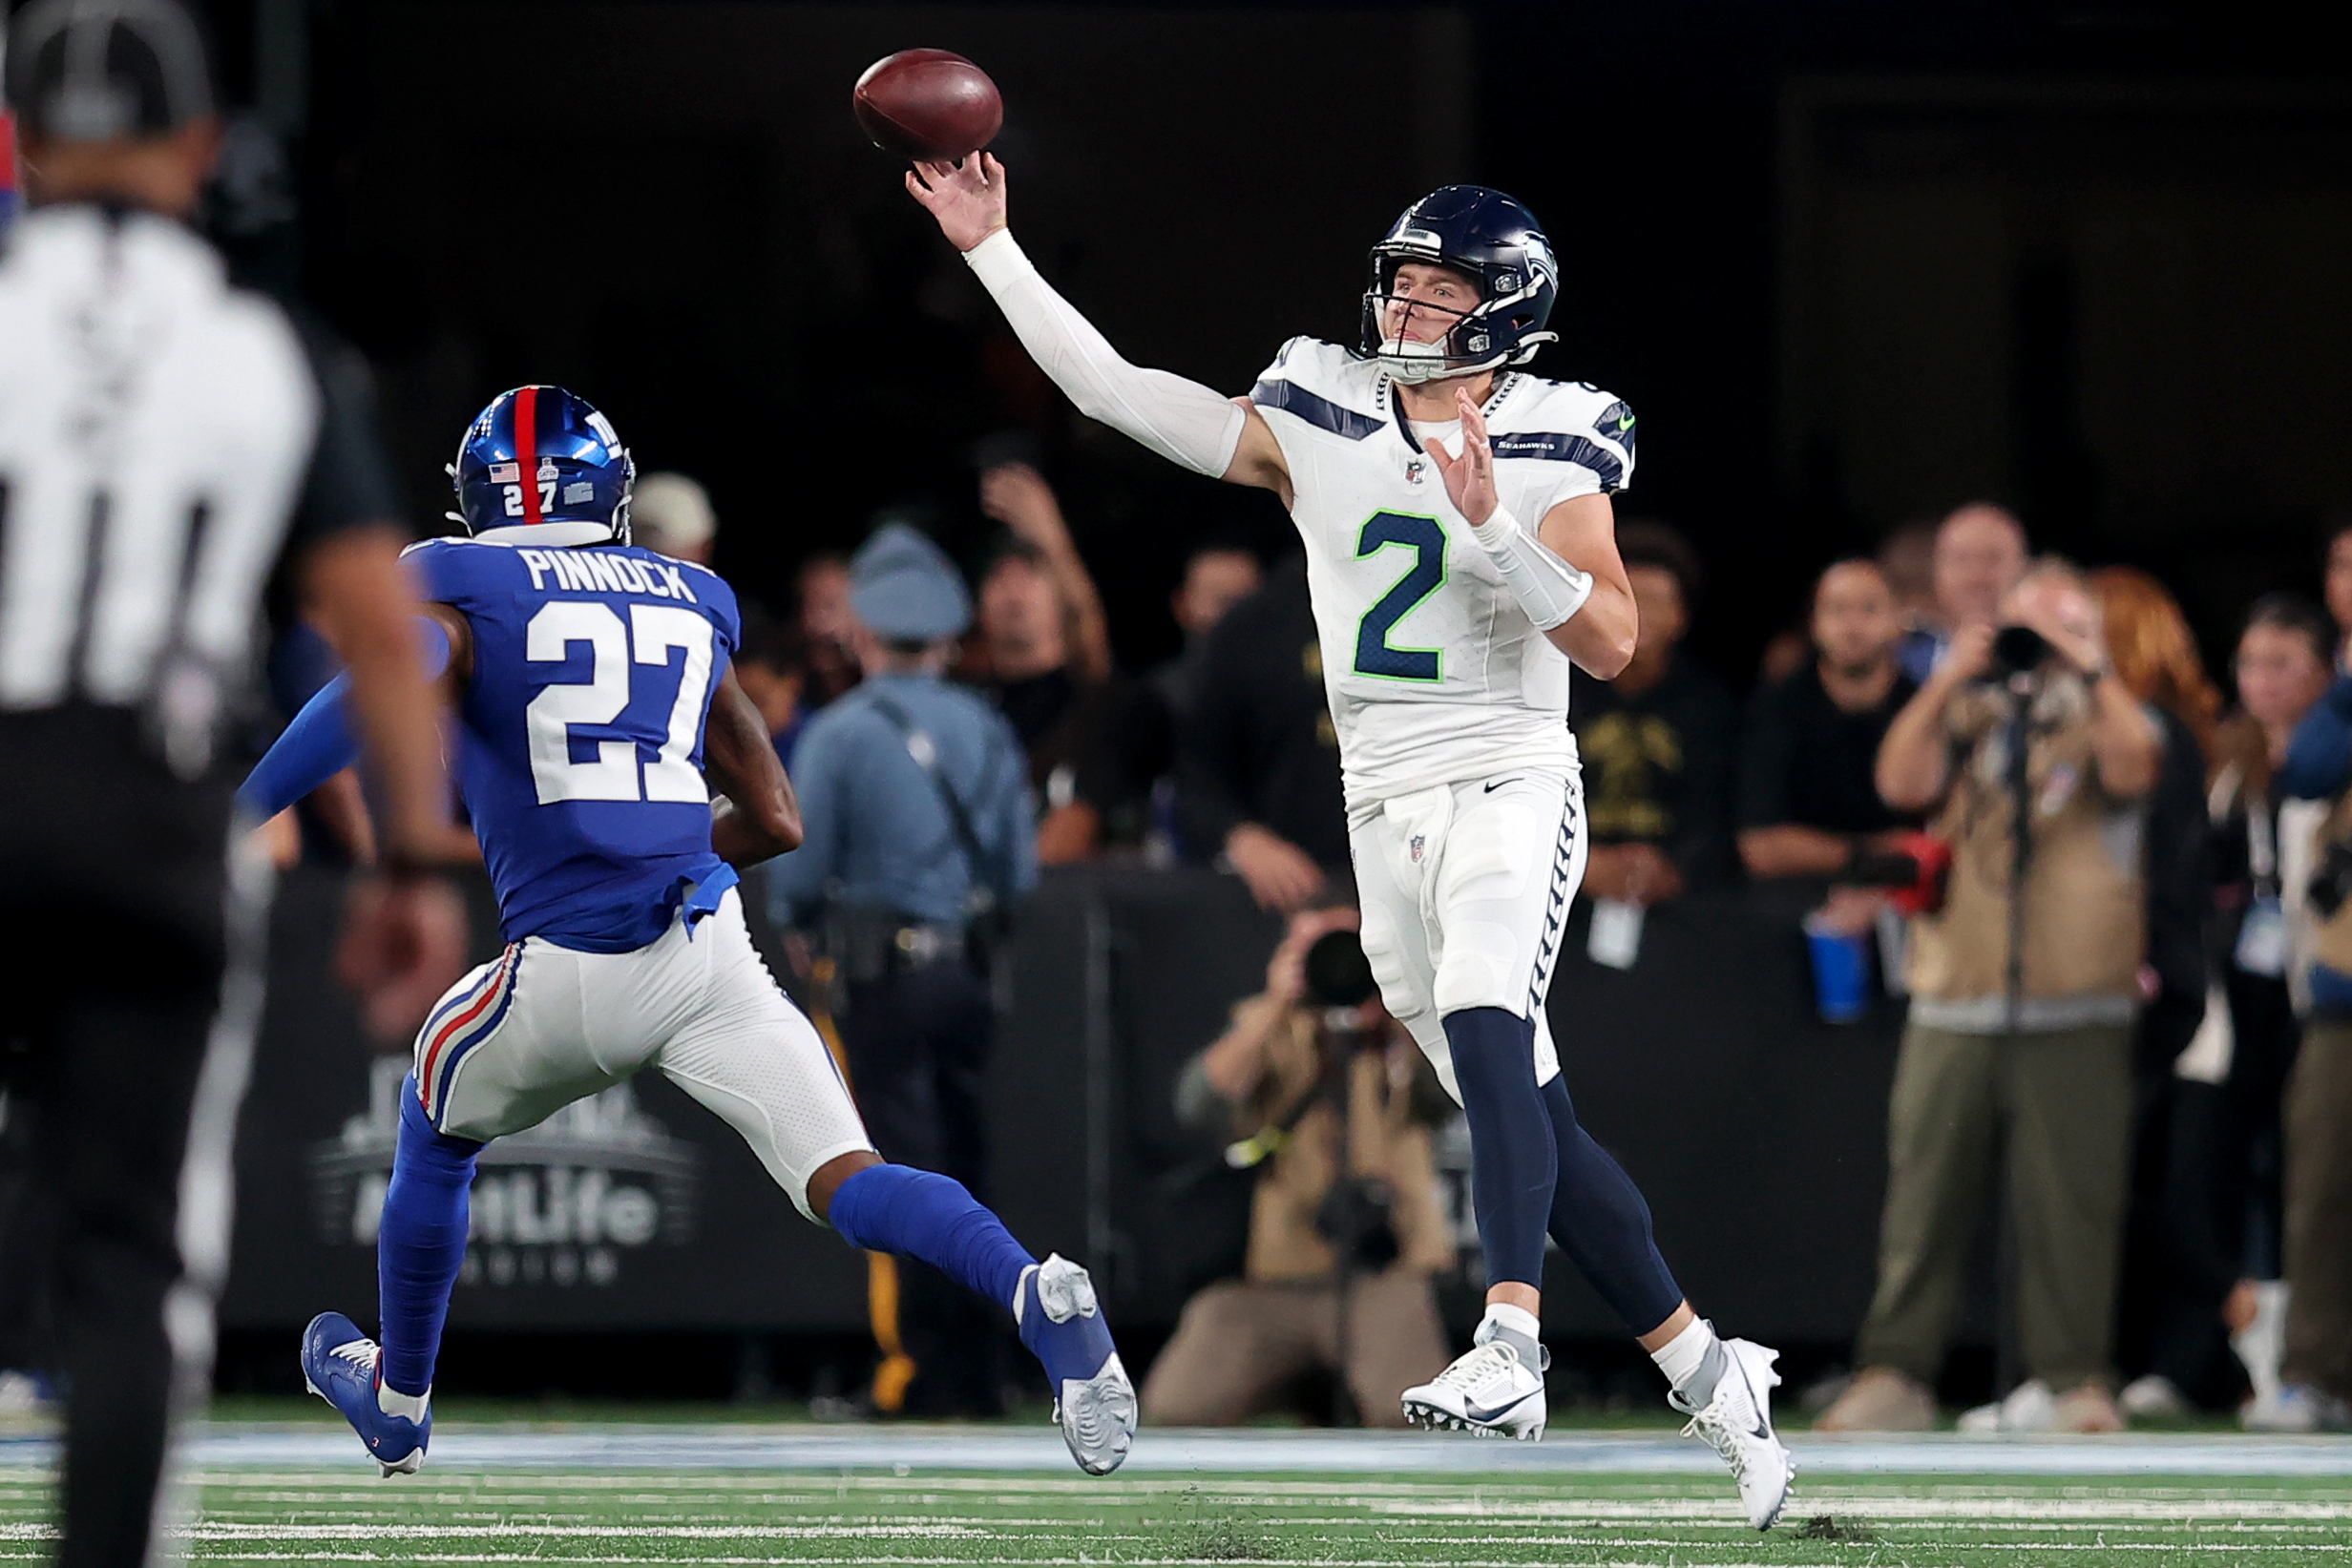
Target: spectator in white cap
x,y
670,515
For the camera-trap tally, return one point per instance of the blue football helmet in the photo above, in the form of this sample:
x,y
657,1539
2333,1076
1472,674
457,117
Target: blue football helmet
x,y
541,466
1493,240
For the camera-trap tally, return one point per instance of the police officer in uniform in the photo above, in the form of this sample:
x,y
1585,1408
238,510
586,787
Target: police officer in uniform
x,y
919,836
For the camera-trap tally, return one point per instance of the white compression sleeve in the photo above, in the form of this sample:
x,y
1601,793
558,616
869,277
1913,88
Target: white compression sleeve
x,y
1546,587
1183,420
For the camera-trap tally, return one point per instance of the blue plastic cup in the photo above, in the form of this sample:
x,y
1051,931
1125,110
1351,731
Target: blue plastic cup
x,y
1840,972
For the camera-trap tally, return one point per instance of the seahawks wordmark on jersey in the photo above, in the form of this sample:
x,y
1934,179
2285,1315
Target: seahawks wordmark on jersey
x,y
1434,673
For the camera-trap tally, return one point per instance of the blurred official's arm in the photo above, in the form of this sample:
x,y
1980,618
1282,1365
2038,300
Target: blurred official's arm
x,y
367,609
404,934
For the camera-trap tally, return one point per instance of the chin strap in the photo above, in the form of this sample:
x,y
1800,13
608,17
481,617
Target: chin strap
x,y
1546,587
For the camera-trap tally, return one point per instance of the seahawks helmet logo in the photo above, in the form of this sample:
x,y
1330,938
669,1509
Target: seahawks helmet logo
x,y
1544,269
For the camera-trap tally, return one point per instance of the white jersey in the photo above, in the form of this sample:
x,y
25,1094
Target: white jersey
x,y
1434,673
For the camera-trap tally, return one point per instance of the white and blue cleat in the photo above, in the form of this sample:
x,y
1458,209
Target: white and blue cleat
x,y
1737,1424
339,1366
1487,1392
1061,1324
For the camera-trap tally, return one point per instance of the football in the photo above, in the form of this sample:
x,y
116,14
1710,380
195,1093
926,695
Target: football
x,y
928,104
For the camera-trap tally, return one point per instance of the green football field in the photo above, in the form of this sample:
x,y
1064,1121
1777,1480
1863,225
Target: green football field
x,y
1433,1504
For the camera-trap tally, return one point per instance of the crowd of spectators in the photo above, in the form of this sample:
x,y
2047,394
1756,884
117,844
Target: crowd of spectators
x,y
2105,1001
2120,934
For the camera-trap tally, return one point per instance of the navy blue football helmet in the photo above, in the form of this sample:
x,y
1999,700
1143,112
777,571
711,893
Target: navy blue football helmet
x,y
541,466
1495,242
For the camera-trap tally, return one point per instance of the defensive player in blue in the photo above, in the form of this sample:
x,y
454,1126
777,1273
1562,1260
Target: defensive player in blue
x,y
597,716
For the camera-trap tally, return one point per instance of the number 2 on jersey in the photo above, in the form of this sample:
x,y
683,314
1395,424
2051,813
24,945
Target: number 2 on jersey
x,y
1374,654
655,629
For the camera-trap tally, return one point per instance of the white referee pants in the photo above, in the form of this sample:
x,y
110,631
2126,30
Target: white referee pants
x,y
1465,892
542,1025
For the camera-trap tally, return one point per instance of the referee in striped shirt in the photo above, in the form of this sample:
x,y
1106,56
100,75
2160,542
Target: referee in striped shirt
x,y
164,443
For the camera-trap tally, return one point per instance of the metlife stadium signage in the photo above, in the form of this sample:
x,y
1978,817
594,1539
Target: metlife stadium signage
x,y
569,1203
634,1209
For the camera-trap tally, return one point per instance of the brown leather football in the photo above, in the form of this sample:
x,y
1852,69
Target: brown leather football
x,y
928,104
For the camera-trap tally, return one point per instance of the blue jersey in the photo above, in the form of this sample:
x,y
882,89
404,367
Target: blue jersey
x,y
581,755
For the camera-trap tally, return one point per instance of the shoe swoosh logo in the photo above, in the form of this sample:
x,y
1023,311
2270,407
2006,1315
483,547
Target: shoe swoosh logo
x,y
1755,1403
1495,1412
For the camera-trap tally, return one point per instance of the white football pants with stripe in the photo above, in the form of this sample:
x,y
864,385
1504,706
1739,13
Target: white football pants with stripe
x,y
542,1025
1465,890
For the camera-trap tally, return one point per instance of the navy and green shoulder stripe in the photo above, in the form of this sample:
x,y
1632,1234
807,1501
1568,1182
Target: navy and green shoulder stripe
x,y
1284,385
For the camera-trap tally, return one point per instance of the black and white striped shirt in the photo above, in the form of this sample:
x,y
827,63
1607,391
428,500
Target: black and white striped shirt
x,y
160,436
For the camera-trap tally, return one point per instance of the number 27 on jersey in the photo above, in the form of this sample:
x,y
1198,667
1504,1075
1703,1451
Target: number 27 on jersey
x,y
617,651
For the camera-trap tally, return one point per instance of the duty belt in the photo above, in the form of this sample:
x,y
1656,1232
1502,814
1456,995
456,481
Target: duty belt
x,y
928,943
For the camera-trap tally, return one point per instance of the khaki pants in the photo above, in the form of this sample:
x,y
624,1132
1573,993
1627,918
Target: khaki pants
x,y
1238,1344
2318,1206
2064,1099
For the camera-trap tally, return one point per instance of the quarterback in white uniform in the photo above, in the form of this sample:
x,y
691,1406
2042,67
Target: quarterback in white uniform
x,y
1461,555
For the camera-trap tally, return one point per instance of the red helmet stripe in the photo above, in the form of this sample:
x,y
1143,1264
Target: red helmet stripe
x,y
527,449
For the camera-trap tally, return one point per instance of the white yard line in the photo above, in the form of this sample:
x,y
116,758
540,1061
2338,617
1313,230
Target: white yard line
x,y
1163,1451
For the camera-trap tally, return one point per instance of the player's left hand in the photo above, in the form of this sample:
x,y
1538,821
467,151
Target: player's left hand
x,y
404,944
1470,479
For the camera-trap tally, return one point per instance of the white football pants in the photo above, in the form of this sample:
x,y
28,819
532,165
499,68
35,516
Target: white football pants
x,y
542,1025
1465,892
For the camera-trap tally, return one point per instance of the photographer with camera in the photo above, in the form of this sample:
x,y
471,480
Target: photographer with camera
x,y
1331,1104
2034,766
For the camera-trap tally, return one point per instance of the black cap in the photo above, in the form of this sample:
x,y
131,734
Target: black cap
x,y
103,69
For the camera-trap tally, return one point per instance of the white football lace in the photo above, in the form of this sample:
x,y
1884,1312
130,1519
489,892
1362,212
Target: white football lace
x,y
1493,1359
360,1353
1719,1434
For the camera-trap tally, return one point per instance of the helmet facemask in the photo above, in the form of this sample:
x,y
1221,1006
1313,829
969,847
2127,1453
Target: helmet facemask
x,y
1485,237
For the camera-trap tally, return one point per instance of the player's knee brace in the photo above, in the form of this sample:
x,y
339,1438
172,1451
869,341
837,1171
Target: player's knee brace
x,y
1514,1160
1602,1222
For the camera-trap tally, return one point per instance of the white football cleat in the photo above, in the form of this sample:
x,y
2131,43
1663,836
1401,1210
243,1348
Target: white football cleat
x,y
1737,1423
1062,1323
1487,1392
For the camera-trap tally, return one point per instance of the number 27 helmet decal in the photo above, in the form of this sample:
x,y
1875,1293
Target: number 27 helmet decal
x,y
1494,242
542,466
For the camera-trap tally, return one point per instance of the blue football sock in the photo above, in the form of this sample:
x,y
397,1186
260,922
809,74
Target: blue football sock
x,y
1514,1158
422,1243
931,1218
1601,1224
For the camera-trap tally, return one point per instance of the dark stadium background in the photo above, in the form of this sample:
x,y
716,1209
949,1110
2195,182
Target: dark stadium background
x,y
2119,223
1851,262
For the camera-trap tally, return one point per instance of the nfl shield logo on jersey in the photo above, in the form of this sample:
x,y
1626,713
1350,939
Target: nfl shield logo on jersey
x,y
1416,848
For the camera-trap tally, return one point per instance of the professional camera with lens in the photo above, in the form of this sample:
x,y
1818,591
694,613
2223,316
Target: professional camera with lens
x,y
1355,1214
2017,650
1338,974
